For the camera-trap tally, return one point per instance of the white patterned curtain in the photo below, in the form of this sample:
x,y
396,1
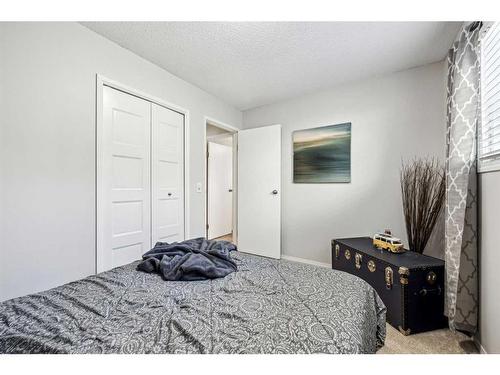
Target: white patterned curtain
x,y
463,116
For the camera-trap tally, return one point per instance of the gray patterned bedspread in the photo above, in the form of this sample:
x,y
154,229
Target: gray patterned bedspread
x,y
267,306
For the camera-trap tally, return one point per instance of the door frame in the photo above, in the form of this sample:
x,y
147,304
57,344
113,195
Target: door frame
x,y
101,82
234,131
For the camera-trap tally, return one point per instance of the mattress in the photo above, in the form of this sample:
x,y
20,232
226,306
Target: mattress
x,y
267,306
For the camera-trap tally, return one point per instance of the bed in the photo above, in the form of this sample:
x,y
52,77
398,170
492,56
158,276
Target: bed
x,y
267,306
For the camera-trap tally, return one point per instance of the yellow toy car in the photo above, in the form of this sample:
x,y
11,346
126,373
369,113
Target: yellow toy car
x,y
387,242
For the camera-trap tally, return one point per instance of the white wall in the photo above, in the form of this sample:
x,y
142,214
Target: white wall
x,y
47,112
219,135
213,131
401,115
489,320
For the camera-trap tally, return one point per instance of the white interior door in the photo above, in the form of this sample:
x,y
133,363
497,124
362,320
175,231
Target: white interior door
x,y
220,187
259,191
167,175
124,229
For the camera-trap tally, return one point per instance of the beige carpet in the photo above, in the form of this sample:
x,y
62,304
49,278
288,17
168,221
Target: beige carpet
x,y
227,237
442,341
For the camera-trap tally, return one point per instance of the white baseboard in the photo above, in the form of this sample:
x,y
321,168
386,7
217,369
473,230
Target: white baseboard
x,y
306,261
482,350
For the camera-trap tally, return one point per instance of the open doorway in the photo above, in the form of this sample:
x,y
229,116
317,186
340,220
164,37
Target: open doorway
x,y
220,181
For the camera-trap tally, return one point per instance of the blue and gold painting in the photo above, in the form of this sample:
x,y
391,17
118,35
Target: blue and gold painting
x,y
322,155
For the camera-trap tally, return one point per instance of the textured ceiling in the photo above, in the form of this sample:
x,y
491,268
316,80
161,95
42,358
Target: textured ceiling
x,y
249,64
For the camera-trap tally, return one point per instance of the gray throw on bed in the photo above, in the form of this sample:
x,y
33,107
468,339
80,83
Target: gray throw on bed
x,y
266,306
195,259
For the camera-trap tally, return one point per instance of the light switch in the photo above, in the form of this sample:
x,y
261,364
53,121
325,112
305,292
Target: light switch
x,y
199,187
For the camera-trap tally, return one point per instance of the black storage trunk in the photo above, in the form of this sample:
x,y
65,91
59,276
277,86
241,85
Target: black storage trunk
x,y
410,284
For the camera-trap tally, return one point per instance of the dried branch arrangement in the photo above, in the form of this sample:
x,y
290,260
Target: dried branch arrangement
x,y
423,190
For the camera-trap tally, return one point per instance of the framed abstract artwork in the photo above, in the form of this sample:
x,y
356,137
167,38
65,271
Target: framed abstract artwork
x,y
322,155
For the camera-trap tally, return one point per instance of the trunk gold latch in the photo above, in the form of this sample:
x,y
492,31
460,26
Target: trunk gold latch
x,y
431,277
389,276
358,258
337,249
371,266
347,254
403,275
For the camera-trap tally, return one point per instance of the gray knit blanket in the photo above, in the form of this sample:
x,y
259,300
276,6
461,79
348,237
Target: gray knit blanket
x,y
195,259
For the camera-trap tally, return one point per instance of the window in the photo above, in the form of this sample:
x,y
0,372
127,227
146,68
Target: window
x,y
489,133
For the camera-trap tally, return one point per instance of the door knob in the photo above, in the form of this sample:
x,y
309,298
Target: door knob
x,y
230,190
275,192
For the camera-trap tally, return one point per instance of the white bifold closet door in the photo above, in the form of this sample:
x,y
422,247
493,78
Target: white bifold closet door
x,y
140,197
167,175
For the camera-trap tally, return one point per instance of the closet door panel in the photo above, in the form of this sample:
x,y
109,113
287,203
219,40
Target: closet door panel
x,y
124,186
167,175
